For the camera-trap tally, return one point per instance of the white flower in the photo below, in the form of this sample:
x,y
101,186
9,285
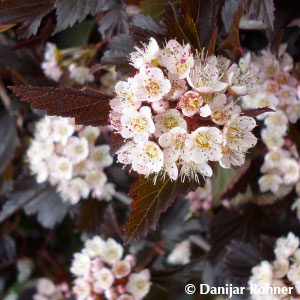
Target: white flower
x,y
39,150
104,279
287,96
150,84
269,182
261,274
40,169
290,169
62,130
178,86
190,170
231,157
137,125
81,288
175,140
204,144
168,120
280,268
241,83
147,55
96,179
205,78
293,112
272,139
62,168
190,103
45,287
43,129
80,265
77,149
181,254
294,276
125,96
176,58
91,133
273,159
50,65
125,153
75,189
221,111
277,121
112,251
238,135
80,74
100,156
121,268
270,87
94,246
147,158
286,246
139,284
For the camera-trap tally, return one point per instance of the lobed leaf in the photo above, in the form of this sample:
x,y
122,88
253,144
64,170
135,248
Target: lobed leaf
x,y
149,201
243,224
37,199
262,10
88,107
27,13
71,11
113,21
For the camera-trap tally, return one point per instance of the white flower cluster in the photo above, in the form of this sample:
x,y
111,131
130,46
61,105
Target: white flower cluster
x,y
67,156
46,289
102,273
278,91
177,114
281,273
52,66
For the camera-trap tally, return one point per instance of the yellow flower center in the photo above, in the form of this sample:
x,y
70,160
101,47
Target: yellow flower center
x,y
151,151
140,123
170,122
64,166
263,102
140,285
203,140
152,86
79,149
98,156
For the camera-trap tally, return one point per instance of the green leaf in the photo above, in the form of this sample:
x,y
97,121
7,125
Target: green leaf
x,y
78,35
149,201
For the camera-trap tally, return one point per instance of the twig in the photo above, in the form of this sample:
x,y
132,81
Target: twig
x,y
200,242
4,96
